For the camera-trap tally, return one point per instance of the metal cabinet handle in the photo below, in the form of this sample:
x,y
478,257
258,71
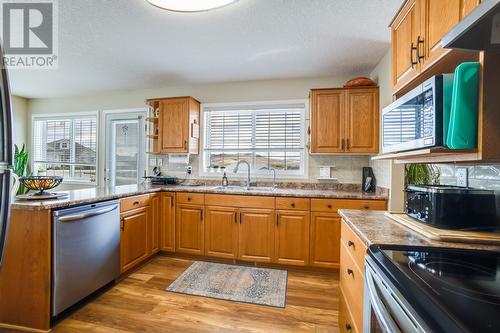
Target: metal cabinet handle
x,y
350,272
189,198
136,203
241,218
348,327
329,206
420,40
412,48
293,205
348,144
350,243
343,144
277,219
201,214
122,223
235,218
185,144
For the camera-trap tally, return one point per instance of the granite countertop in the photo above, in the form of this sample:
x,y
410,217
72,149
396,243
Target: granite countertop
x,y
86,196
373,227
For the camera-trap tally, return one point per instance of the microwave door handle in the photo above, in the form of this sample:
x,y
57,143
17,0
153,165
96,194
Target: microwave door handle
x,y
383,316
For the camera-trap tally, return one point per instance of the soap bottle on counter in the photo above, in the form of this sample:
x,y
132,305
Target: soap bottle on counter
x,y
225,182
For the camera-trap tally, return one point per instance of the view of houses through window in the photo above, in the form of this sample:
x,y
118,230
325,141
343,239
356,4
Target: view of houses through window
x,y
66,147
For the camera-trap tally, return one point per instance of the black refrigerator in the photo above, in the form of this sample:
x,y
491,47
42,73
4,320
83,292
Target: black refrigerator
x,y
6,156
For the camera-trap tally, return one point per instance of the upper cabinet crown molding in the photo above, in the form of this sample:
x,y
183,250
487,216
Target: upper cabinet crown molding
x,y
345,121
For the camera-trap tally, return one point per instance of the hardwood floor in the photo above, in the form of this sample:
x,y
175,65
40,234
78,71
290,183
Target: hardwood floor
x,y
140,304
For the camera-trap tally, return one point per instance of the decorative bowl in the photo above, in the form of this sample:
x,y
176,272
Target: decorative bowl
x,y
41,183
360,82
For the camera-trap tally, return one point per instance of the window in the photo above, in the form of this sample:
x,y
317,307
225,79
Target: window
x,y
270,135
66,146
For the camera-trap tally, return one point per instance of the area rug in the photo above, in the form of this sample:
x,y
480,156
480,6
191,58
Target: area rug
x,y
234,283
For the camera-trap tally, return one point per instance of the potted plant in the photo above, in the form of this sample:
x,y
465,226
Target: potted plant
x,y
21,166
421,174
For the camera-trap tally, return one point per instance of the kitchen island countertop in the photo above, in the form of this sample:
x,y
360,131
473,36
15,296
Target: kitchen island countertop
x,y
373,227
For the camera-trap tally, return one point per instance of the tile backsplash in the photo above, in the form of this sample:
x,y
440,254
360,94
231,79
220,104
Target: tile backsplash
x,y
480,176
348,169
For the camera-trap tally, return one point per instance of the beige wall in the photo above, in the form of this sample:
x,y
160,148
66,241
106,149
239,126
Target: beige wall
x,y
348,167
21,120
388,174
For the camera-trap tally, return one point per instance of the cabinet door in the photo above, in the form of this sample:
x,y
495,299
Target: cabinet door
x,y
134,238
189,229
405,29
167,228
154,239
467,6
256,235
174,125
325,240
327,125
292,238
362,121
437,18
221,232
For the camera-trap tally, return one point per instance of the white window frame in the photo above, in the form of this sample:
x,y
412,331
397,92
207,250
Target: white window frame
x,y
280,174
68,116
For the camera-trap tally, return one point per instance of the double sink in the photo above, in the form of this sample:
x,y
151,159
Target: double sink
x,y
244,188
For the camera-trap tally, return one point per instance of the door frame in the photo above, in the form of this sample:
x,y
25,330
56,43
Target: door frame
x,y
102,138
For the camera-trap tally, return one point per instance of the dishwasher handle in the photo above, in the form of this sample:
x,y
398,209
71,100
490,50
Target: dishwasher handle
x,y
76,217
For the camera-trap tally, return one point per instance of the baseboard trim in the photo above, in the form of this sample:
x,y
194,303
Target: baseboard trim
x,y
22,328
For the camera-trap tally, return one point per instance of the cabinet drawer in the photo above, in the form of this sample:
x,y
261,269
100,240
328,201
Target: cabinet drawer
x,y
354,245
239,201
130,203
346,324
352,284
191,198
293,203
333,205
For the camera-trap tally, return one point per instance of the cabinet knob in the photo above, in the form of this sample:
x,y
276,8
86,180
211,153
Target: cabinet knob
x,y
366,207
350,272
350,243
348,327
136,203
329,206
293,205
189,198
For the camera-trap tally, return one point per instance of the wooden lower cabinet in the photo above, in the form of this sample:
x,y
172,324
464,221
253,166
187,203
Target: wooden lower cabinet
x,y
134,237
256,235
189,229
154,227
325,240
221,232
292,238
167,222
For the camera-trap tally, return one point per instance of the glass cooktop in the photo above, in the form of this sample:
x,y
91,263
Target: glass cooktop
x,y
459,286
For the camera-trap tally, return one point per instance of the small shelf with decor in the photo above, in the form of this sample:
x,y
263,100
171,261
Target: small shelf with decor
x,y
488,125
152,128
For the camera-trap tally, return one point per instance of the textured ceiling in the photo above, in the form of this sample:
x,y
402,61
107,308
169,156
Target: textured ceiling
x,y
129,44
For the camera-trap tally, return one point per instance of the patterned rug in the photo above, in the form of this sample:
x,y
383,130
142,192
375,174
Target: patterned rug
x,y
234,283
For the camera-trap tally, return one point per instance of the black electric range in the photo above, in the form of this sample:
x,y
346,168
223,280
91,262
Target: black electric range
x,y
450,290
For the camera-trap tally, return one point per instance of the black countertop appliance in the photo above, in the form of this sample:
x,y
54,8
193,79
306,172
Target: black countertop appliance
x,y
453,207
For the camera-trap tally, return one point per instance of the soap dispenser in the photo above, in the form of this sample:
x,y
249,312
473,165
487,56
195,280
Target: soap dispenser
x,y
225,182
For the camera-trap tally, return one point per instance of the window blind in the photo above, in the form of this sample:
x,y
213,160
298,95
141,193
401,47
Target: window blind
x,y
66,146
265,136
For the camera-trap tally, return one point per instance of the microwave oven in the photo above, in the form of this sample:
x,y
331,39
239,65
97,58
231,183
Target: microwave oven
x,y
442,111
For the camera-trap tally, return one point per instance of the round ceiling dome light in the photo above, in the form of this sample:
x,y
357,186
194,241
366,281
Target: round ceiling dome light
x,y
190,5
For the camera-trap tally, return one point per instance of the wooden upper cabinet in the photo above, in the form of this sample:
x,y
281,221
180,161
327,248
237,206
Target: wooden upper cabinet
x,y
256,235
344,120
167,222
362,118
221,232
179,125
327,127
292,238
189,229
134,238
417,31
405,31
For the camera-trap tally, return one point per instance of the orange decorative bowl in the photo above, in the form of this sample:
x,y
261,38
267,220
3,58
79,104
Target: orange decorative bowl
x,y
41,183
360,82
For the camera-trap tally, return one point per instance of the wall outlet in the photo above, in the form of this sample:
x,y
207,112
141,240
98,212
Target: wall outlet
x,y
159,163
152,162
189,169
462,175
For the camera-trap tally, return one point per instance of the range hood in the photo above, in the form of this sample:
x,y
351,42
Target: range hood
x,y
478,31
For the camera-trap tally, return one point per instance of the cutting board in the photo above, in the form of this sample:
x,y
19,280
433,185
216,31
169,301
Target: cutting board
x,y
445,235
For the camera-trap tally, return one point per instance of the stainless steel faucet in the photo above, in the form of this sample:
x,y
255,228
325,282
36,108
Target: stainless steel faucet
x,y
248,169
274,175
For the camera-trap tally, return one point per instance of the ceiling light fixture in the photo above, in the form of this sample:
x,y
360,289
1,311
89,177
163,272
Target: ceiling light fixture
x,y
190,5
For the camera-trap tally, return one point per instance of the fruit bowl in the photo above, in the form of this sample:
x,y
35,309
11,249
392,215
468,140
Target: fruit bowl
x,y
41,183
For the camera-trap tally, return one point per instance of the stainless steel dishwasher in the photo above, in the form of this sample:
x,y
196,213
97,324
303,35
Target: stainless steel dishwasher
x,y
85,253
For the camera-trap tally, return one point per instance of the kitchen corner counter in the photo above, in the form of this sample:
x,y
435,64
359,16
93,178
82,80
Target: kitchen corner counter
x,y
88,196
373,227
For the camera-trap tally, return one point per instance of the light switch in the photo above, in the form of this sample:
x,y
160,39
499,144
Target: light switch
x,y
160,162
152,162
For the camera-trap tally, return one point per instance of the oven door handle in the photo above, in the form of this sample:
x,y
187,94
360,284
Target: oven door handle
x,y
383,316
